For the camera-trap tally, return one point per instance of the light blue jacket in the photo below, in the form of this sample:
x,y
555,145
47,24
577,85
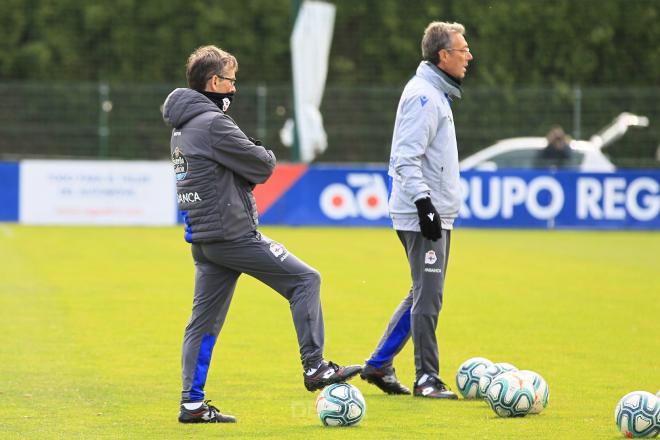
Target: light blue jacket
x,y
424,158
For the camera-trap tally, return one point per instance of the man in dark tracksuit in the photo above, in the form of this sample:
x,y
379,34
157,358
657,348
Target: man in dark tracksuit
x,y
425,200
216,167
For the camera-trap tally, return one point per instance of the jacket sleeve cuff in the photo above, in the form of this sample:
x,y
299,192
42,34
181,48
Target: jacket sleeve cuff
x,y
421,196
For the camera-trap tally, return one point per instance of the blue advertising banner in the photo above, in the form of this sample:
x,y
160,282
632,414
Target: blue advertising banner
x,y
562,199
357,196
9,175
327,195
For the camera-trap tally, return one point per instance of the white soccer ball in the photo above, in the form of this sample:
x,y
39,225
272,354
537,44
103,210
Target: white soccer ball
x,y
468,375
541,391
340,404
638,415
511,394
491,373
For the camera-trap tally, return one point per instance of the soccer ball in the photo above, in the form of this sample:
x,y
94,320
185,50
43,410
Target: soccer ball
x,y
638,414
541,391
468,375
511,394
340,404
491,373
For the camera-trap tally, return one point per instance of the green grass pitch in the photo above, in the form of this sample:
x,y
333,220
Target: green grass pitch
x,y
91,323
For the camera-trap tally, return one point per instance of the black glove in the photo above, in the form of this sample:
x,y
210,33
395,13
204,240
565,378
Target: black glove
x,y
429,220
255,141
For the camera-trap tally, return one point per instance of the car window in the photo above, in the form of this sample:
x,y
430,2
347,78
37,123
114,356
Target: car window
x,y
515,159
529,159
571,162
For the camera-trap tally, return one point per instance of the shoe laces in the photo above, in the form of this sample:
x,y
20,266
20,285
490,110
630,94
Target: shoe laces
x,y
212,409
440,384
435,379
333,366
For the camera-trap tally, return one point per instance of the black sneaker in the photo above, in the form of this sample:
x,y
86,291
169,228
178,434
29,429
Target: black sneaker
x,y
433,387
328,373
383,378
204,414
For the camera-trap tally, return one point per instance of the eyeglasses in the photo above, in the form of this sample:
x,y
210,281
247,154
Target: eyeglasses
x,y
231,80
467,50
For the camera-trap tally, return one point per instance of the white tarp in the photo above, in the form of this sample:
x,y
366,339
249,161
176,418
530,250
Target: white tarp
x,y
310,47
97,193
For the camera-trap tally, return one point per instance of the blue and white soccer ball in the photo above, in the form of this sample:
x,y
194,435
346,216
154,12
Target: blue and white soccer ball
x,y
468,375
511,394
541,391
491,373
340,404
638,415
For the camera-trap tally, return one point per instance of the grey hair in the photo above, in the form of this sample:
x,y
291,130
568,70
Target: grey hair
x,y
205,62
437,35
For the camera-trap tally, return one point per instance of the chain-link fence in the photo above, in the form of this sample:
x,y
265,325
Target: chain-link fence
x,y
123,121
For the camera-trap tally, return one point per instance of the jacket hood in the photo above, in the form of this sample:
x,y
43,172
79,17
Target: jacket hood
x,y
182,105
439,79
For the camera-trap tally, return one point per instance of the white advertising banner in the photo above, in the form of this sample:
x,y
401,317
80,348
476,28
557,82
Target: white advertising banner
x,y
97,193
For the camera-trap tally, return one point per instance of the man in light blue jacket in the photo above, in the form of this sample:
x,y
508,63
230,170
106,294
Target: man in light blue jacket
x,y
425,200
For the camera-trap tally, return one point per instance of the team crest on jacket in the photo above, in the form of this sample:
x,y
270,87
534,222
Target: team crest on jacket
x,y
276,249
430,257
279,251
180,164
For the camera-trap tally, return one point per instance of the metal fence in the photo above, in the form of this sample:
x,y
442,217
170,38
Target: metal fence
x,y
123,121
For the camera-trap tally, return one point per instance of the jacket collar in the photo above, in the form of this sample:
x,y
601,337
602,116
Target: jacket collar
x,y
439,79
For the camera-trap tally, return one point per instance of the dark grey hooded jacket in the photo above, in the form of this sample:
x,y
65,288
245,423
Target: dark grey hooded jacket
x,y
216,166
